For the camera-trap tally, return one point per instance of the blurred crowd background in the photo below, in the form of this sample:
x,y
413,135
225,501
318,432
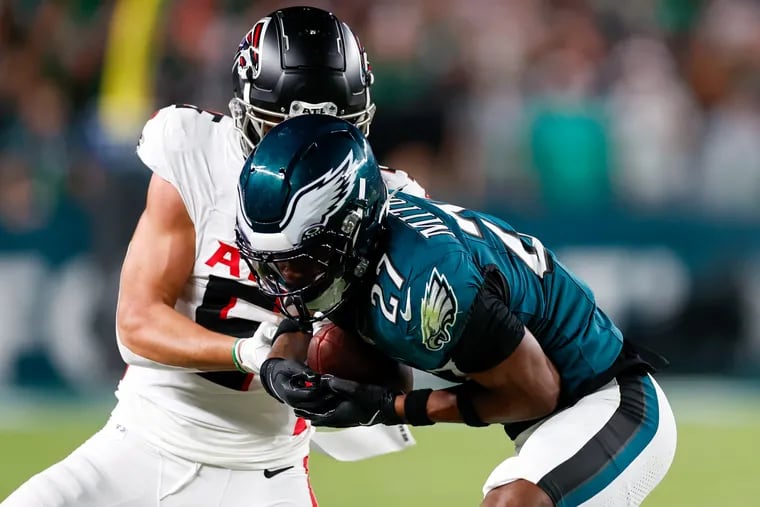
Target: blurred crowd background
x,y
626,135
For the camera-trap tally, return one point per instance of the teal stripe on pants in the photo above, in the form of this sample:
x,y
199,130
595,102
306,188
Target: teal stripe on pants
x,y
625,455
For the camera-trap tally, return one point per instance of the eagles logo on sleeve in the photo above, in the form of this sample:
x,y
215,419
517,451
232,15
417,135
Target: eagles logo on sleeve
x,y
438,311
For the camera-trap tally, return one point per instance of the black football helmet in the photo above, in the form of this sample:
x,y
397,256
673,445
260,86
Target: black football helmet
x,y
299,60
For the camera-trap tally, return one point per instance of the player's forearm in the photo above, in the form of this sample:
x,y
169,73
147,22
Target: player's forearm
x,y
291,345
441,407
159,333
495,407
523,386
490,406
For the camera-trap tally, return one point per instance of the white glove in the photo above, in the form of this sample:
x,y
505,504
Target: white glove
x,y
253,351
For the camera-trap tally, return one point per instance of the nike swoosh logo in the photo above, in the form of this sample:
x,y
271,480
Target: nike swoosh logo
x,y
271,473
407,313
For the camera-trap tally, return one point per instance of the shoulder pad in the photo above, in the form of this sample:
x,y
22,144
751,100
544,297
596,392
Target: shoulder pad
x,y
175,130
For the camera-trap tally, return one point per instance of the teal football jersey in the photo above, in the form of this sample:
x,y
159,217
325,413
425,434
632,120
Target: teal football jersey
x,y
417,306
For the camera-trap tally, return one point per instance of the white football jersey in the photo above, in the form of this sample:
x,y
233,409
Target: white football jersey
x,y
226,418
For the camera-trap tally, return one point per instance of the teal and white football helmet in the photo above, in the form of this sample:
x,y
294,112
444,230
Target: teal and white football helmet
x,y
311,206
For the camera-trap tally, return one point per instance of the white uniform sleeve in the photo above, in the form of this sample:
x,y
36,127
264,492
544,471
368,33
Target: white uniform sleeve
x,y
401,181
174,145
151,146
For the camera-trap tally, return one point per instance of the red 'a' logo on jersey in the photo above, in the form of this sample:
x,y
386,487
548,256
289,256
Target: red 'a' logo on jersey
x,y
229,256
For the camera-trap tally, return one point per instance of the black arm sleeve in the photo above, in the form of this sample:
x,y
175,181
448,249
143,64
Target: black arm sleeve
x,y
491,332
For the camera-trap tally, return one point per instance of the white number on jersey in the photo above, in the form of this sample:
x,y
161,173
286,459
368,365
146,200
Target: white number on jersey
x,y
533,255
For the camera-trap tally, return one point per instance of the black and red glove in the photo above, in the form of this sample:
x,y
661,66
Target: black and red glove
x,y
354,404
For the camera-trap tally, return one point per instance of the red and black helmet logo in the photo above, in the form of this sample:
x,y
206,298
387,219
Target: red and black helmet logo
x,y
249,51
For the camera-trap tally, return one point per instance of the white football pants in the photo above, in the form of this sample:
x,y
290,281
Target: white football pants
x,y
117,468
610,449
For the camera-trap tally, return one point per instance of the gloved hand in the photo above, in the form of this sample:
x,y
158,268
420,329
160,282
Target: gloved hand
x,y
294,384
253,351
355,405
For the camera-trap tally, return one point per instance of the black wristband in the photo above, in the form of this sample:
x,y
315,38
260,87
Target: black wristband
x,y
465,406
415,407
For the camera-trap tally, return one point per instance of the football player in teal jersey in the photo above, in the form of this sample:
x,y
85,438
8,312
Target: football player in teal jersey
x,y
457,293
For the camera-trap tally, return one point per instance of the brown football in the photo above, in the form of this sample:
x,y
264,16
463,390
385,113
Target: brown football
x,y
343,354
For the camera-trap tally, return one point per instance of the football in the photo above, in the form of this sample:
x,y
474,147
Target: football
x,y
337,352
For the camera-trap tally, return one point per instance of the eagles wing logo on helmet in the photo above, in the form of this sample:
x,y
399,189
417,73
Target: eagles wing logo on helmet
x,y
315,203
438,311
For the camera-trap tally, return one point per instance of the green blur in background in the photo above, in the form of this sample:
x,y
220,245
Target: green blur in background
x,y
715,465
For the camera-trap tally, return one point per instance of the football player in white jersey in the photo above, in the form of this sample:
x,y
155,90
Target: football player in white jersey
x,y
193,425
